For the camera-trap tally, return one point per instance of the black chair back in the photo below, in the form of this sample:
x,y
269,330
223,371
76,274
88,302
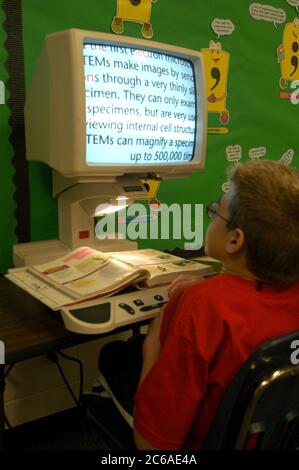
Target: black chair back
x,y
260,408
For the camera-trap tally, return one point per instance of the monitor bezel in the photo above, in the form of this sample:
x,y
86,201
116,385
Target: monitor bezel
x,y
62,60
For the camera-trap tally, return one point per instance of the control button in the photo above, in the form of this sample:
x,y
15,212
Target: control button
x,y
127,308
84,234
147,308
138,302
158,297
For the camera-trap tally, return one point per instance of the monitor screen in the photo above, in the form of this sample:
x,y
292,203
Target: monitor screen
x,y
100,106
140,106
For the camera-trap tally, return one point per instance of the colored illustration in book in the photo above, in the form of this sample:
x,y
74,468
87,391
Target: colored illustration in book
x,y
288,54
216,63
138,11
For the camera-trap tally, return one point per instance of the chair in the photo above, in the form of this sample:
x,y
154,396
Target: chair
x,y
259,410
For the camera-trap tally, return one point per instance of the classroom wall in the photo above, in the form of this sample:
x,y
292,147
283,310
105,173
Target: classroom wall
x,y
260,115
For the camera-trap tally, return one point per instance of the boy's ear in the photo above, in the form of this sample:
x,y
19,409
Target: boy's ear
x,y
235,241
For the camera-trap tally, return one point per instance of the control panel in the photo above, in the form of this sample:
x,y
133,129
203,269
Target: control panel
x,y
106,314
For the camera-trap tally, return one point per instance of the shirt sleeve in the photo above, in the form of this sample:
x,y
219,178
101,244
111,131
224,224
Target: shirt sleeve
x,y
168,399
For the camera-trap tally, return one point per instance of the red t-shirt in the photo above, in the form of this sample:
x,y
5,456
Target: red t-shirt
x,y
207,332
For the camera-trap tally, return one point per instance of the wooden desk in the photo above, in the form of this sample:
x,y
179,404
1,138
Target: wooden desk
x,y
30,329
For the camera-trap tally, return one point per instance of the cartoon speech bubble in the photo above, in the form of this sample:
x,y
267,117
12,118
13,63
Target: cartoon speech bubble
x,y
257,153
293,3
287,157
234,153
264,12
222,27
226,186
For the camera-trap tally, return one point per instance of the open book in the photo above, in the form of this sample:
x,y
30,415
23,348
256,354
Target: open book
x,y
86,273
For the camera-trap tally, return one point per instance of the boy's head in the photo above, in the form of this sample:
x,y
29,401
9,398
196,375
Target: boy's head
x,y
257,222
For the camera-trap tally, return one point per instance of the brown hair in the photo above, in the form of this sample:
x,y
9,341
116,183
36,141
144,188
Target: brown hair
x,y
265,205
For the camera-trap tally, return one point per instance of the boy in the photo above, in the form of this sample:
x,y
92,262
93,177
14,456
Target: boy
x,y
209,328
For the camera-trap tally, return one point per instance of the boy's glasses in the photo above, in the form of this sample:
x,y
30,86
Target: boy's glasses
x,y
212,211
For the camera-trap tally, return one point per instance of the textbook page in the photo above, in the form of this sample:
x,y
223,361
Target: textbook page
x,y
82,274
162,267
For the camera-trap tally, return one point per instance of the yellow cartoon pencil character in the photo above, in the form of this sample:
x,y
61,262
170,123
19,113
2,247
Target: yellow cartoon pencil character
x,y
152,187
216,63
133,10
288,53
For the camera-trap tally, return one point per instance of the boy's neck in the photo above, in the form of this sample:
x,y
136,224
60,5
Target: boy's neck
x,y
238,269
